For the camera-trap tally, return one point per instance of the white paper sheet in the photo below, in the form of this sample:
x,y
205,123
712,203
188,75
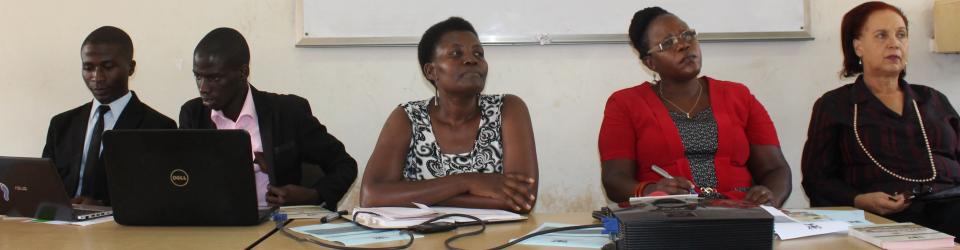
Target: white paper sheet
x,y
75,223
790,228
683,197
793,230
15,218
583,238
854,217
350,234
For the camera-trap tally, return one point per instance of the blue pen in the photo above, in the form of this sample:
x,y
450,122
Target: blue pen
x,y
668,176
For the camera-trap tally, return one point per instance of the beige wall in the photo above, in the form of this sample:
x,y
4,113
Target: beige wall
x,y
353,89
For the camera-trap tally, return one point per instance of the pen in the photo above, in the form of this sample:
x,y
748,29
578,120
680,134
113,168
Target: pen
x,y
892,197
667,175
332,216
661,172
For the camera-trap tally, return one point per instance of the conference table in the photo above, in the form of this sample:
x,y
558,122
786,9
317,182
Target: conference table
x,y
15,234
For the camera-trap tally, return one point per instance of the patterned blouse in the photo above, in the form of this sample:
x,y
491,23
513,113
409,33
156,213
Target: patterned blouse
x,y
425,161
699,137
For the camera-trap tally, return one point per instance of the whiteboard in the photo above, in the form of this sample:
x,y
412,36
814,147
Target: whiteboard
x,y
402,22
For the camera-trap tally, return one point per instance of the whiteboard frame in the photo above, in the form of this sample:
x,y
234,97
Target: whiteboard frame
x,y
305,41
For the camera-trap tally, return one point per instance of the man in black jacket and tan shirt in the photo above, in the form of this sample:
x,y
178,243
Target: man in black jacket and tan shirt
x,y
284,133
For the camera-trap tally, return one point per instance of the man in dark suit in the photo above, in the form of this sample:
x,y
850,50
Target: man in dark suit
x,y
284,133
73,139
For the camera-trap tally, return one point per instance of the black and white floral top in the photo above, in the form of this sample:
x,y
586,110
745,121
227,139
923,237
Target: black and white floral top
x,y
425,161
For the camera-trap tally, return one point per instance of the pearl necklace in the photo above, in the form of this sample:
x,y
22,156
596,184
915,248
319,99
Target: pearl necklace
x,y
926,141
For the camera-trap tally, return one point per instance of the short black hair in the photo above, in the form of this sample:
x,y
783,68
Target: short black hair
x,y
227,44
428,43
112,36
638,28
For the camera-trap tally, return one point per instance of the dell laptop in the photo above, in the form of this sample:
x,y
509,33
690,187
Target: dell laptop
x,y
182,178
31,187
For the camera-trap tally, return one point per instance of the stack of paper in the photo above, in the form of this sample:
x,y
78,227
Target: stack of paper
x,y
902,236
304,212
403,217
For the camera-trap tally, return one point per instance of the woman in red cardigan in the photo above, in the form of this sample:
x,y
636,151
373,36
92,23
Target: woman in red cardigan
x,y
712,136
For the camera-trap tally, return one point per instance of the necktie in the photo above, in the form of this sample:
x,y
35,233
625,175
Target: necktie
x,y
93,155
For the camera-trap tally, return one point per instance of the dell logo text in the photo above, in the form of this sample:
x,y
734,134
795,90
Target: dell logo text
x,y
179,177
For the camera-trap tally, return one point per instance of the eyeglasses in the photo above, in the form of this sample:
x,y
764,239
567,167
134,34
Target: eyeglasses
x,y
689,35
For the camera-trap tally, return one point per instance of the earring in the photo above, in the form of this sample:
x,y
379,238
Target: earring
x,y
656,78
436,96
859,61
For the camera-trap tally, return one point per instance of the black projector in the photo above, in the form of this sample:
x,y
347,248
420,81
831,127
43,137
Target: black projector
x,y
697,224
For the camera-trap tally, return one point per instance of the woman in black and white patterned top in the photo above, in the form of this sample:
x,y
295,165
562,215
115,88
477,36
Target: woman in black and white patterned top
x,y
424,159
459,148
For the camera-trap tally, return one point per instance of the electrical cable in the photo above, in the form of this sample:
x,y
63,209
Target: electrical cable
x,y
264,237
429,226
448,241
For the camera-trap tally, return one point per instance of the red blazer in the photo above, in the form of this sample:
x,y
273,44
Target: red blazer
x,y
636,126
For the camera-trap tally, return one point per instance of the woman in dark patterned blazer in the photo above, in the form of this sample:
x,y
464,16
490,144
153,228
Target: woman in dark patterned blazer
x,y
882,144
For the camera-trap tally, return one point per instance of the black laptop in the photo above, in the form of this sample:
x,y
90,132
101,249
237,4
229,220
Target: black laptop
x,y
31,187
181,178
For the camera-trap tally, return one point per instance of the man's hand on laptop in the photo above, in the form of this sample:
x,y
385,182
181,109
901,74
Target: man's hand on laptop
x,y
291,195
84,200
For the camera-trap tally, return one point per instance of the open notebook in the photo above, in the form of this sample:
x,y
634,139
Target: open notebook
x,y
403,217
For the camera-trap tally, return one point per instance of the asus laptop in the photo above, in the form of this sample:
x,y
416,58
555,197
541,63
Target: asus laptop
x,y
31,187
182,178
